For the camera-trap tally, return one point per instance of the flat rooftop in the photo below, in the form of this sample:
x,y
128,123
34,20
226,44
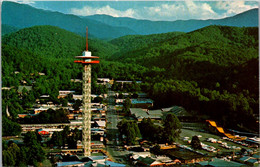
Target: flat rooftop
x,y
143,113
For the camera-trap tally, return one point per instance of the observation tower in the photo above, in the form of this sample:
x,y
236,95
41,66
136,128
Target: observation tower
x,y
86,60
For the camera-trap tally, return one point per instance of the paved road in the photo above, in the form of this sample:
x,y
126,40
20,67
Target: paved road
x,y
112,131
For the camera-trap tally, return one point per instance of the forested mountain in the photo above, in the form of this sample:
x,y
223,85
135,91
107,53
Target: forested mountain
x,y
246,19
50,50
107,27
221,45
22,16
6,29
203,55
211,71
46,41
55,42
135,42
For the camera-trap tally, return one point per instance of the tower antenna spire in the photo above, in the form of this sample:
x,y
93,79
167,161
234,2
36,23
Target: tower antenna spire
x,y
86,38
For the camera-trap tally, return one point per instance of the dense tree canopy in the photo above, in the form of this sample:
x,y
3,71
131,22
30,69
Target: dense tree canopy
x,y
30,153
150,131
129,130
49,116
66,136
172,128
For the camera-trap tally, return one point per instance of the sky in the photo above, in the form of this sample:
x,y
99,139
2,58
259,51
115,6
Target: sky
x,y
149,10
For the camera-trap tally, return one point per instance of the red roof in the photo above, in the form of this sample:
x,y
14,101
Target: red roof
x,y
43,132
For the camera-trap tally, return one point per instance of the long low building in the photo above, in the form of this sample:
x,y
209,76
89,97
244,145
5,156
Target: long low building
x,y
142,103
140,114
54,126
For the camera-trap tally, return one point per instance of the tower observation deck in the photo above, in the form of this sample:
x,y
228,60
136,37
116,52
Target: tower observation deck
x,y
86,60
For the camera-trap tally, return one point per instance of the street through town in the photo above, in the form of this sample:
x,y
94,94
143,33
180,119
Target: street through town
x,y
113,147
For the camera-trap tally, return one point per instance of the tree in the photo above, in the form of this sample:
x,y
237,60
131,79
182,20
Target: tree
x,y
8,159
30,138
64,102
156,150
120,96
76,105
4,145
35,153
195,142
15,151
76,135
135,95
126,106
98,99
150,131
172,128
243,150
23,157
130,130
65,133
130,134
56,139
10,128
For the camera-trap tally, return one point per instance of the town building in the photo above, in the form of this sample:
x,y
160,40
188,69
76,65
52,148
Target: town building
x,y
139,114
65,93
142,103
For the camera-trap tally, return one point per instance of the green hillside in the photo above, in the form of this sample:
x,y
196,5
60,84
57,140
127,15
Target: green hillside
x,y
47,41
55,42
188,56
213,70
135,42
217,44
52,50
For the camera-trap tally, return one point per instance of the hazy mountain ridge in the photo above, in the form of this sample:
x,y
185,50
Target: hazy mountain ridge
x,y
108,27
22,16
246,19
6,29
